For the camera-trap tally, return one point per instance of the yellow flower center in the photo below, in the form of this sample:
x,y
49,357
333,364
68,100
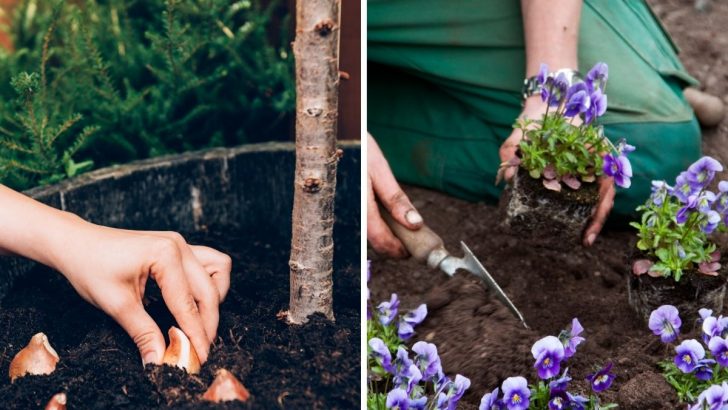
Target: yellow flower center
x,y
547,362
516,398
687,359
602,379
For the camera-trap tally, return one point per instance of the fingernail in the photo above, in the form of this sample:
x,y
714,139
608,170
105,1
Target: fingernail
x,y
149,357
590,239
413,217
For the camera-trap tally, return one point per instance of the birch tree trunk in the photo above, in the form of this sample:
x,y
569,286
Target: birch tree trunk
x,y
316,50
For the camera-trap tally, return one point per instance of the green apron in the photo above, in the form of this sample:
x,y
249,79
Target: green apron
x,y
444,82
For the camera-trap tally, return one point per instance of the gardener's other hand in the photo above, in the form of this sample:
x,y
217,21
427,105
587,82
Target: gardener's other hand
x,y
601,212
110,267
533,109
381,185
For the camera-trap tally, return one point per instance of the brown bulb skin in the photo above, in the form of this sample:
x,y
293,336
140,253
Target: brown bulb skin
x,y
180,352
226,387
37,358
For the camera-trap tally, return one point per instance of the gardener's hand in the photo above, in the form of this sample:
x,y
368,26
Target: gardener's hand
x,y
381,185
109,268
606,202
533,109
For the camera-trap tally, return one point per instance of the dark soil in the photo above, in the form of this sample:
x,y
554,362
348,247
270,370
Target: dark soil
x,y
476,335
703,41
529,208
694,292
313,366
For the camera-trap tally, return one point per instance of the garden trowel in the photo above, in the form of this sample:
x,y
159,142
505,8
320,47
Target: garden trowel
x,y
426,246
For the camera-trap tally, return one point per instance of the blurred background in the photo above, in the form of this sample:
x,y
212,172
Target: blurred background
x,y
91,83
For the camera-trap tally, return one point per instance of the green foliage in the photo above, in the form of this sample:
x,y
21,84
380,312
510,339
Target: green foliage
x,y
109,81
686,385
571,150
676,248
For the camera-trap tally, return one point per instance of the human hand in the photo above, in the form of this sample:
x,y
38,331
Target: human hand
x,y
382,185
601,212
533,109
109,268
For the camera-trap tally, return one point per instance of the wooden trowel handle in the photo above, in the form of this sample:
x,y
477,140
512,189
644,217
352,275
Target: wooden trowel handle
x,y
419,243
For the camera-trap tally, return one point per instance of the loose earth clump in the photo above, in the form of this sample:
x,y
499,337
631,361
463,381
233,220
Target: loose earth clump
x,y
531,209
477,337
694,292
311,366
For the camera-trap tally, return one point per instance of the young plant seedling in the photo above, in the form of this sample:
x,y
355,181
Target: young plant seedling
x,y
180,352
37,358
57,402
226,387
678,263
562,155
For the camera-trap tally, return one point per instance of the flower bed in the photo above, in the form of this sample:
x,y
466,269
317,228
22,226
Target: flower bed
x,y
202,193
477,337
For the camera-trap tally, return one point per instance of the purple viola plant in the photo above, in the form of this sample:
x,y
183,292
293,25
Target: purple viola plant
x,y
548,352
566,147
571,338
678,222
601,379
698,363
665,322
551,391
406,378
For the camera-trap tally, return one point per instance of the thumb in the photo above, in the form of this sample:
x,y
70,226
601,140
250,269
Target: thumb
x,y
145,333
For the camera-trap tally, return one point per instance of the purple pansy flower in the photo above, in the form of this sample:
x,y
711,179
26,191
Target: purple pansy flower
x,y
452,392
713,326
427,359
548,353
688,354
398,399
559,401
704,369
418,403
554,90
415,317
721,203
405,330
577,100
602,379
660,190
490,401
559,385
683,188
380,353
682,215
718,347
712,398
712,221
571,339
577,402
665,322
388,310
702,171
619,168
543,73
516,393
598,106
598,75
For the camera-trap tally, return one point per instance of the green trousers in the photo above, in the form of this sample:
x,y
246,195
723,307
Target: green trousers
x,y
444,81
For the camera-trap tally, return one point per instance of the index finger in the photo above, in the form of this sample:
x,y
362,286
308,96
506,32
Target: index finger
x,y
169,274
606,202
